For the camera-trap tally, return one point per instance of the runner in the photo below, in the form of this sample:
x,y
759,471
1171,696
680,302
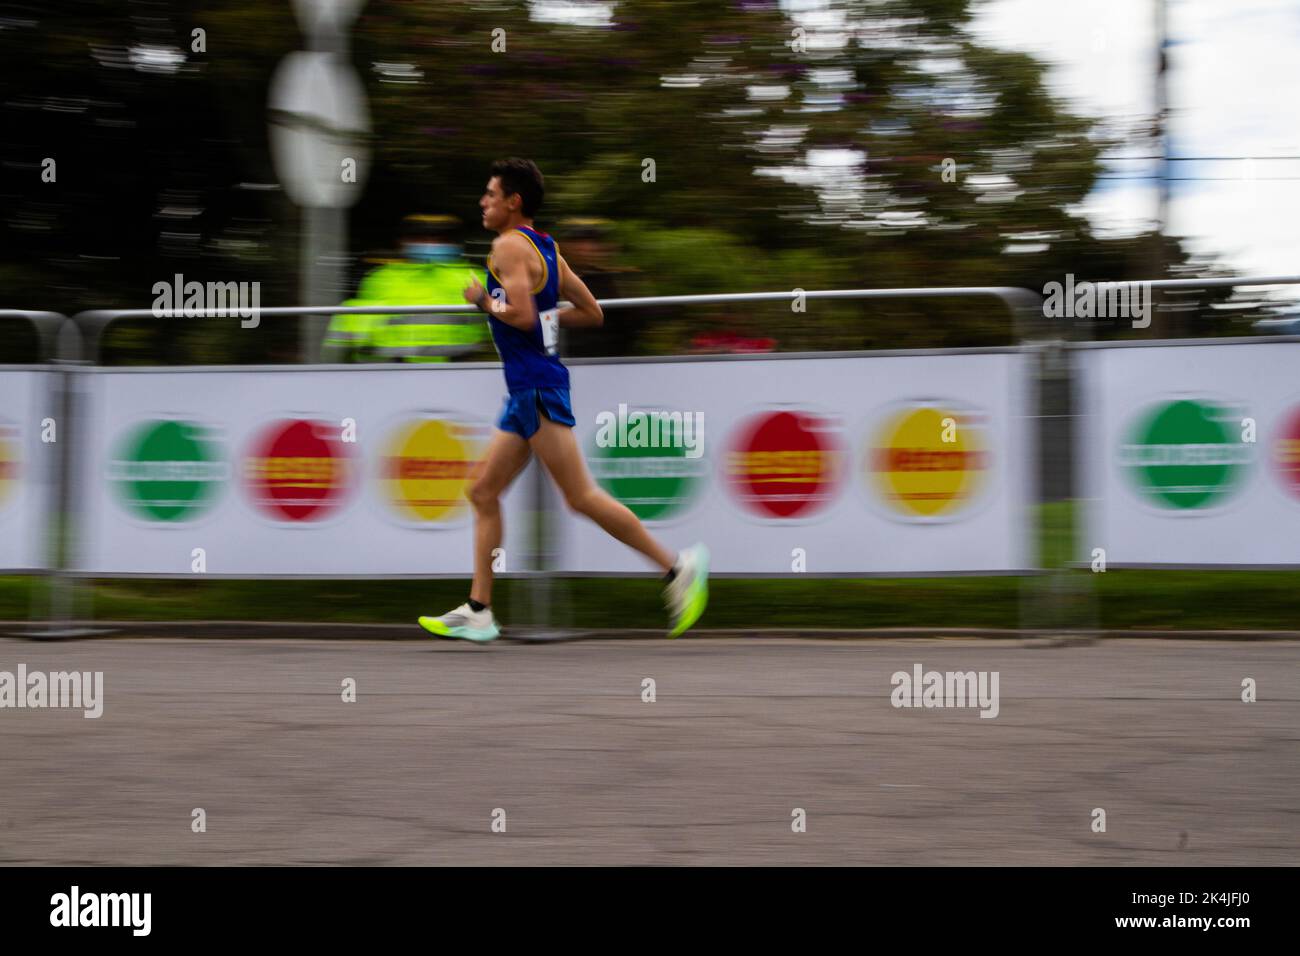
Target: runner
x,y
526,279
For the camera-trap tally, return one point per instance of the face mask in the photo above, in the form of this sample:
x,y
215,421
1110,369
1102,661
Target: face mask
x,y
432,251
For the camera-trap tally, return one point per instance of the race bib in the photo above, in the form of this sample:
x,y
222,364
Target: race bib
x,y
550,330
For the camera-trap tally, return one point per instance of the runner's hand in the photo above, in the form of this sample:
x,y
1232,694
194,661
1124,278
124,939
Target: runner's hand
x,y
474,292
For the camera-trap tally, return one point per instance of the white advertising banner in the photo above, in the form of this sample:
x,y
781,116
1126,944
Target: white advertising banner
x,y
904,463
29,448
1190,454
882,464
287,471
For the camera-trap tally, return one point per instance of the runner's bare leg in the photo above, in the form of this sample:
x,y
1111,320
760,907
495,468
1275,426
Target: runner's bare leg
x,y
559,453
506,456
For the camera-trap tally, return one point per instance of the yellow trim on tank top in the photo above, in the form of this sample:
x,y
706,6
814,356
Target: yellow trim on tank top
x,y
545,269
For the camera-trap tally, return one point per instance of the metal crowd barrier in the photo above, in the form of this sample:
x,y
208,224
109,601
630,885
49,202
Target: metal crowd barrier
x,y
77,342
49,326
1024,306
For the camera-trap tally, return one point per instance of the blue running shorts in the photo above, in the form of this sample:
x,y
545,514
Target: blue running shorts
x,y
520,412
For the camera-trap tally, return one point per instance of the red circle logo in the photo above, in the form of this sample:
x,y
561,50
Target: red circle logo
x,y
1286,454
785,464
298,469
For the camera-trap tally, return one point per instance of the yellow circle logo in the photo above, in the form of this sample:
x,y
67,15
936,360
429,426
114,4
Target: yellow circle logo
x,y
426,467
928,462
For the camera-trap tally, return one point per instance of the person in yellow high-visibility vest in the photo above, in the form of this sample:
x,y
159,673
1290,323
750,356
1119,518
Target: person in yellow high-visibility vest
x,y
432,270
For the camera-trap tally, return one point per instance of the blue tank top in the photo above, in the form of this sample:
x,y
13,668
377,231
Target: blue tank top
x,y
531,359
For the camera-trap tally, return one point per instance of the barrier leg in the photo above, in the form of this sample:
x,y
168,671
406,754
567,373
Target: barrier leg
x,y
1057,606
66,591
544,624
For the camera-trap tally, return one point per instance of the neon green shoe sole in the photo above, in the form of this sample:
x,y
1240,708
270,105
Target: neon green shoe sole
x,y
697,599
479,635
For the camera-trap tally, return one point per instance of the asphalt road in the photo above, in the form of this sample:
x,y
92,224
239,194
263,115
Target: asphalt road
x,y
741,733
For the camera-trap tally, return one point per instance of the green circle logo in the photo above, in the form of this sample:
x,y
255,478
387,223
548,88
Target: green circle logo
x,y
1187,455
168,470
651,471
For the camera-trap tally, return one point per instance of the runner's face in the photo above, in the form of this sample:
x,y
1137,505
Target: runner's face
x,y
495,206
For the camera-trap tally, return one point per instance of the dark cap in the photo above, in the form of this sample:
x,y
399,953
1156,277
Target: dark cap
x,y
420,227
585,228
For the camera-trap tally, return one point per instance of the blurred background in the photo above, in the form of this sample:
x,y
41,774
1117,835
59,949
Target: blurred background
x,y
794,144
334,152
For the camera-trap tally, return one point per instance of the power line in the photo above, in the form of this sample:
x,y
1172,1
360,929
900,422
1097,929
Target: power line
x,y
1212,179
1196,159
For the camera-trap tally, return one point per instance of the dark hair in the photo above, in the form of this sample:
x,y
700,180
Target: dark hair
x,y
523,177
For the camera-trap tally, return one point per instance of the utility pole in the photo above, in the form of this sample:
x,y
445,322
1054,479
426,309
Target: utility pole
x,y
1159,262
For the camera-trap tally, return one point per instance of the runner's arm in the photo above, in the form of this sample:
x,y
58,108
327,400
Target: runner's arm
x,y
585,311
510,264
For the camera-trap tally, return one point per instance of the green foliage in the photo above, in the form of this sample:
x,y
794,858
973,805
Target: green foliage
x,y
715,94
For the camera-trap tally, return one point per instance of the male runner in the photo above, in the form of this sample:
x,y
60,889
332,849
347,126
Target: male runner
x,y
526,279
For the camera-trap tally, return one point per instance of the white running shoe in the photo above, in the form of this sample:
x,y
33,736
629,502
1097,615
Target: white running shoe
x,y
687,594
464,623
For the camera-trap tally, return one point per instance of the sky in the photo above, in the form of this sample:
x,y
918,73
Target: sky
x,y
1234,90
